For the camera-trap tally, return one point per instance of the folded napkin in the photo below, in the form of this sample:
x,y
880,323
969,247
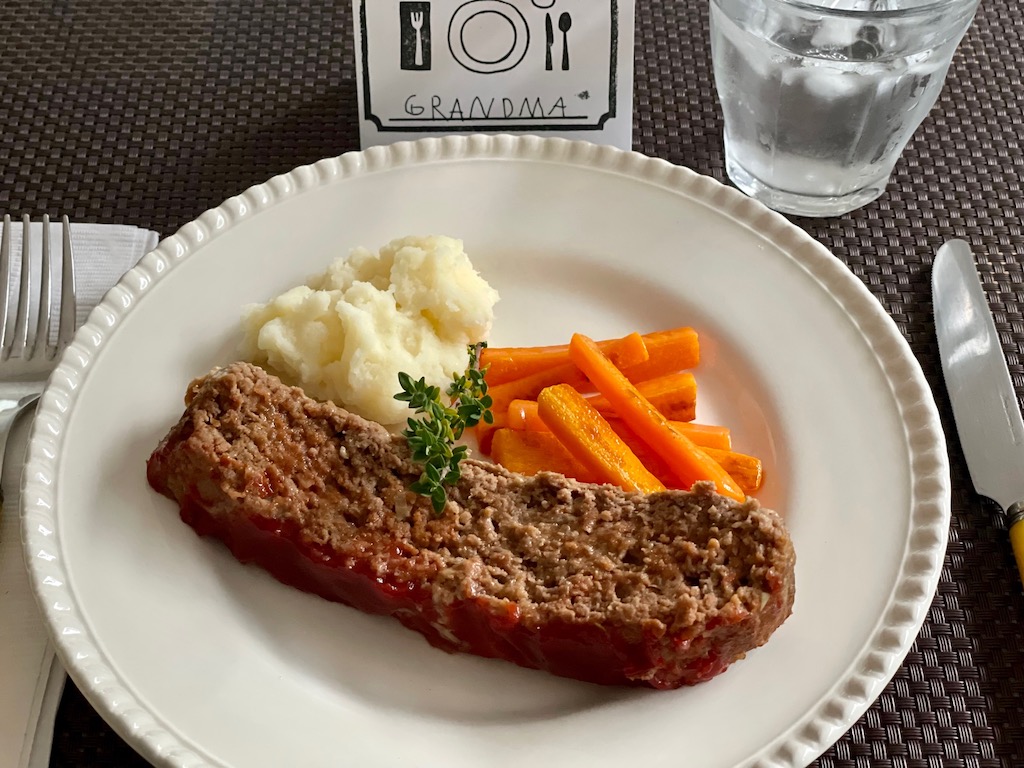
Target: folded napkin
x,y
31,678
103,253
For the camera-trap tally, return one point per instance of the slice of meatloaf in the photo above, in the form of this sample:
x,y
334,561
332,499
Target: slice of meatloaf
x,y
585,581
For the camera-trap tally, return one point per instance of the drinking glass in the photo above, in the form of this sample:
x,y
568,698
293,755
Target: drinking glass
x,y
820,97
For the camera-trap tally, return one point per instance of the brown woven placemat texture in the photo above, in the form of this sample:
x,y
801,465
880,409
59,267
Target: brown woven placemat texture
x,y
149,113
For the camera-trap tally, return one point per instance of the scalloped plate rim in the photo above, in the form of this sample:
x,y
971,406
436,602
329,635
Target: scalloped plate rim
x,y
806,739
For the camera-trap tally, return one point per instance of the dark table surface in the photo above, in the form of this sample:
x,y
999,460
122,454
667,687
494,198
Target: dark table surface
x,y
150,113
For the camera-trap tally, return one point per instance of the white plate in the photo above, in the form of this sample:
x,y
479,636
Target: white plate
x,y
198,660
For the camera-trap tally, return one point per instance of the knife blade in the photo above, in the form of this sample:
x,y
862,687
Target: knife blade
x,y
985,406
549,34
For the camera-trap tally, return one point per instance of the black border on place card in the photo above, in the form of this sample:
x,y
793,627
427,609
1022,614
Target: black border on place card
x,y
498,125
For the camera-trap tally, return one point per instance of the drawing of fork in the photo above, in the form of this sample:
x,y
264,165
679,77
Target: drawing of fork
x,y
416,18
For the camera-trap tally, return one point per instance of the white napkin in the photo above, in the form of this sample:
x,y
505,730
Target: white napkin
x,y
31,678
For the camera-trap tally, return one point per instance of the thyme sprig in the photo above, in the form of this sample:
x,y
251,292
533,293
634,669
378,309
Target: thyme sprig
x,y
432,437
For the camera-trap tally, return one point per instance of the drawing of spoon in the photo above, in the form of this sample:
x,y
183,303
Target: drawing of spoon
x,y
564,25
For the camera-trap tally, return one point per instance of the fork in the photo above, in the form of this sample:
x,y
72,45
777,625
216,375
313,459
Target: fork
x,y
27,354
416,19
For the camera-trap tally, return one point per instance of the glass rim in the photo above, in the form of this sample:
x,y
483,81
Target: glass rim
x,y
925,7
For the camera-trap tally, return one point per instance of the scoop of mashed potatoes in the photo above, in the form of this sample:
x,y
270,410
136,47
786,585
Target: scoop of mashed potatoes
x,y
415,307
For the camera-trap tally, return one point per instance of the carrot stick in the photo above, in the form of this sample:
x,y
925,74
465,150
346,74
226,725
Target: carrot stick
x,y
530,452
631,347
745,470
673,350
706,435
703,435
505,364
591,441
484,432
523,415
688,462
674,395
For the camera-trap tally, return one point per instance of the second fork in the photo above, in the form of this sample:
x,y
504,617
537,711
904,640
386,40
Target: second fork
x,y
19,343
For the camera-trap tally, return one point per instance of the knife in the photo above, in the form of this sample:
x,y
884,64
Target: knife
x,y
549,33
984,401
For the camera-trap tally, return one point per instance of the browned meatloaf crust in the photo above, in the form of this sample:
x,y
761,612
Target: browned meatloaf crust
x,y
585,581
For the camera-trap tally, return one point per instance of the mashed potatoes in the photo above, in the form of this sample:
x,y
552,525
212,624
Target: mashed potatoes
x,y
413,307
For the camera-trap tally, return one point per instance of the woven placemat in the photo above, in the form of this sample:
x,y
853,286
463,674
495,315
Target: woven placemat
x,y
150,113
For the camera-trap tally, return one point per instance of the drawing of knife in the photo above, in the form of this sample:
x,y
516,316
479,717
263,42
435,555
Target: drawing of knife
x,y
984,401
549,33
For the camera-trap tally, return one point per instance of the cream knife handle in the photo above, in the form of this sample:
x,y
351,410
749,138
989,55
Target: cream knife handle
x,y
1015,524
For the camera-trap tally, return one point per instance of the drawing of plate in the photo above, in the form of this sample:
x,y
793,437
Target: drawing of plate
x,y
488,36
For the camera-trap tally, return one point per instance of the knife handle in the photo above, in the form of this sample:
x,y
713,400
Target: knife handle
x,y
1015,522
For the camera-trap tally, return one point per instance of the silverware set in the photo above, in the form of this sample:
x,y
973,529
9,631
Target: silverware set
x,y
564,25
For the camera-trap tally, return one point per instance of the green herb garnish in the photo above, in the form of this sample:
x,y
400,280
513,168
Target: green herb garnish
x,y
432,438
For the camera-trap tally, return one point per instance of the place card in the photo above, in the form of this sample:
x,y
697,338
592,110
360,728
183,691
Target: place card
x,y
548,67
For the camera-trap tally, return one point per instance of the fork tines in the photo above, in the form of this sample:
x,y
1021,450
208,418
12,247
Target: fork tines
x,y
17,339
